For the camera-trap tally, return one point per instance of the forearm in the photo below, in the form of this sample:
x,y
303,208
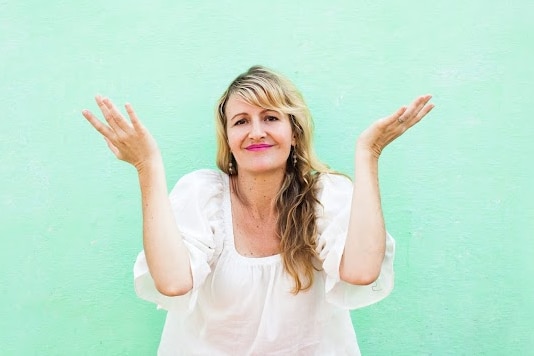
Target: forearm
x,y
366,241
166,254
365,244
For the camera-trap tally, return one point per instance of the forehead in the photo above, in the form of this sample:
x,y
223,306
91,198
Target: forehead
x,y
237,104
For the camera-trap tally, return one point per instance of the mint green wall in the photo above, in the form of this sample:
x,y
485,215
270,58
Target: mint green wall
x,y
457,190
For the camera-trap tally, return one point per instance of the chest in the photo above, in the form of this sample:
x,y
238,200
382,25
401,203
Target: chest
x,y
253,236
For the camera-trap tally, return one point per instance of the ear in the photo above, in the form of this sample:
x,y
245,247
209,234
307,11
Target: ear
x,y
294,141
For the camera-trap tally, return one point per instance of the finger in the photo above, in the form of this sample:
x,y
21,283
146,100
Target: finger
x,y
397,114
100,102
106,112
396,117
133,117
97,124
117,116
423,102
422,108
422,113
415,107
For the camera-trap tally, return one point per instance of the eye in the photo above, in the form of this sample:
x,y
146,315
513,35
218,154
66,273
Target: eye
x,y
240,122
271,118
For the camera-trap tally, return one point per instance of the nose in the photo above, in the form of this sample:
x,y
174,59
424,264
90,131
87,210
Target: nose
x,y
257,130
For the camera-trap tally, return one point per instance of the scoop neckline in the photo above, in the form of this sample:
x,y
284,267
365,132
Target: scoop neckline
x,y
230,238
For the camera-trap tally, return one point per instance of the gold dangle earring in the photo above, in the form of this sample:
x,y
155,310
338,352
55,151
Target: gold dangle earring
x,y
294,157
231,170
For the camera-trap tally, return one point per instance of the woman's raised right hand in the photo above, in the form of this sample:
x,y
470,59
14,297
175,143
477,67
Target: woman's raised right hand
x,y
129,141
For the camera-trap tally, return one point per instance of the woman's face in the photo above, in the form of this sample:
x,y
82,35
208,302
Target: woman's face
x,y
259,139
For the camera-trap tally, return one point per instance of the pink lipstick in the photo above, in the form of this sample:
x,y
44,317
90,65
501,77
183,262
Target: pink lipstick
x,y
258,147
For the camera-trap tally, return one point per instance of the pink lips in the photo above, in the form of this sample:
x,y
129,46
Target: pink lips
x,y
258,147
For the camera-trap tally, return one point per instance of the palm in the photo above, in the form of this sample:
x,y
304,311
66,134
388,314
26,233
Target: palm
x,y
384,131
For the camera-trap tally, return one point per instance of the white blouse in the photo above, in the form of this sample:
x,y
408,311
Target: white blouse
x,y
244,306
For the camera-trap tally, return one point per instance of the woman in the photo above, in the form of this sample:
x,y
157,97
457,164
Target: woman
x,y
267,255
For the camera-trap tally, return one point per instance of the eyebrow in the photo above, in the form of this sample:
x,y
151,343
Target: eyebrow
x,y
245,113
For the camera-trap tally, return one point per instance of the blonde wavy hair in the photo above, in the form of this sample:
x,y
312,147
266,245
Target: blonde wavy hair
x,y
297,200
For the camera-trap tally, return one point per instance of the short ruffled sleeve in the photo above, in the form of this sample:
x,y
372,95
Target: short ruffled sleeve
x,y
335,195
196,201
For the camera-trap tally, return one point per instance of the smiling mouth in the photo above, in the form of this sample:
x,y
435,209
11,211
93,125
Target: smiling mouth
x,y
258,147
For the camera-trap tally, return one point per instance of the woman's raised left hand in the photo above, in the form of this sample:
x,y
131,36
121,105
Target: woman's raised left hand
x,y
384,131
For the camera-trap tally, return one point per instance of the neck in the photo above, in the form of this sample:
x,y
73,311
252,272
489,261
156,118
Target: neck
x,y
258,192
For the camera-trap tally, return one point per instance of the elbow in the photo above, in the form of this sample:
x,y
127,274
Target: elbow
x,y
359,277
173,284
173,290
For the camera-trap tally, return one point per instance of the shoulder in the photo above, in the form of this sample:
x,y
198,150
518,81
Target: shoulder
x,y
333,182
334,195
334,192
203,185
202,175
205,178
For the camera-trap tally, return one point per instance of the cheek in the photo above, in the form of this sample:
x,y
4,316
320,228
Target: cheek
x,y
233,141
289,137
